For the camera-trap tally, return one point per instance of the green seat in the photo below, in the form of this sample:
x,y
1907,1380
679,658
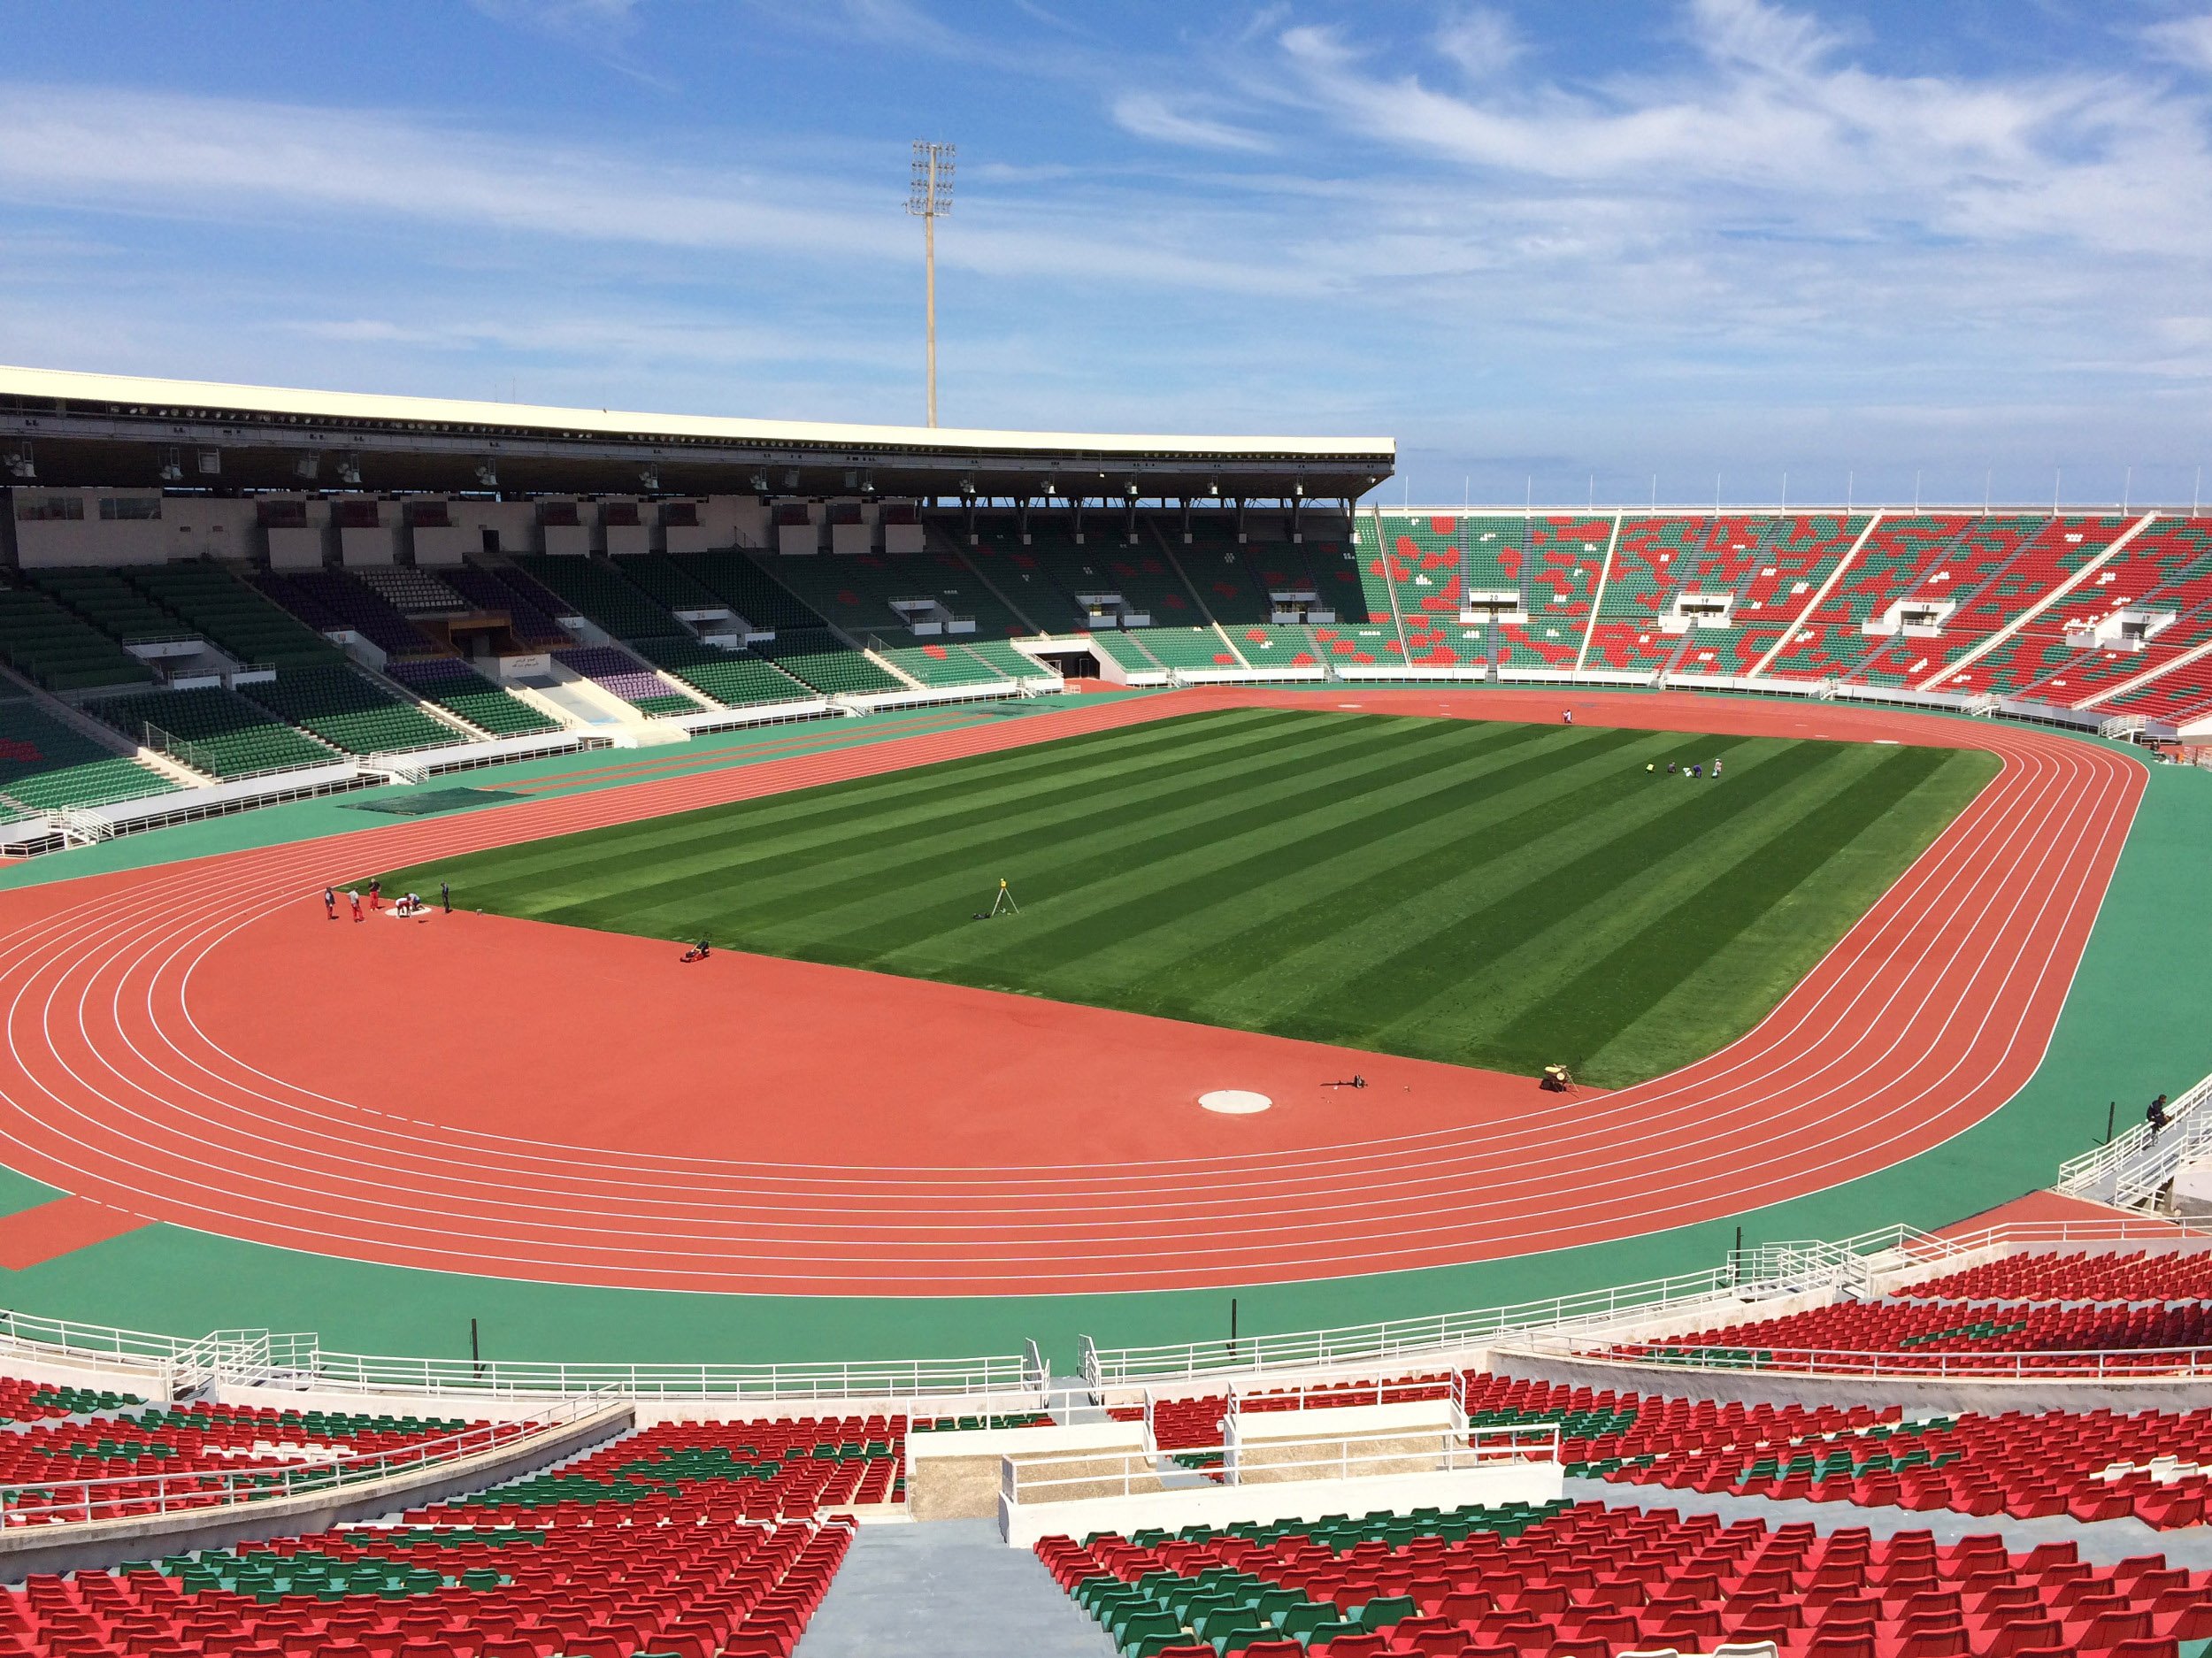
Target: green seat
x,y
1384,1610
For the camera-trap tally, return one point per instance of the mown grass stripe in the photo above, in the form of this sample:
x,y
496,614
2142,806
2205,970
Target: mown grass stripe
x,y
1503,894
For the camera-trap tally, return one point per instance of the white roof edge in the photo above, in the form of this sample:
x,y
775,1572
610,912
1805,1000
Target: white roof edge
x,y
47,382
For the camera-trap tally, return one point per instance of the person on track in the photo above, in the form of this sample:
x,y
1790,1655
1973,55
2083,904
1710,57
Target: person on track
x,y
445,897
376,891
698,953
354,899
330,901
1568,715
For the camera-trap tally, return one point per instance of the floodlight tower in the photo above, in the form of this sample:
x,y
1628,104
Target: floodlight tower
x,y
928,198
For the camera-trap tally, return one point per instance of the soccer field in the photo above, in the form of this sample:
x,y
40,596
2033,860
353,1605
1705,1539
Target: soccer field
x,y
1488,894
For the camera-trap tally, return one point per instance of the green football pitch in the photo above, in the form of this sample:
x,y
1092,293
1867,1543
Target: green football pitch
x,y
1488,894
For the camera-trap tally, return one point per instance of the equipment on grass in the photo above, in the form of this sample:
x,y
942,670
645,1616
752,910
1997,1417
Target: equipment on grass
x,y
1557,1079
1004,900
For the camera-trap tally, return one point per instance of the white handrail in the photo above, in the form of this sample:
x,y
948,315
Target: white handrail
x,y
83,1501
2112,1364
2131,1168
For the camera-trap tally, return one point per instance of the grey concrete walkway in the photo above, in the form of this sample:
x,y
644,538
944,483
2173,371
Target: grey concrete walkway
x,y
2105,1542
946,1589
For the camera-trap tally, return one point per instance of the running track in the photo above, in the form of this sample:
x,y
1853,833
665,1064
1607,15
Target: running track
x,y
130,1078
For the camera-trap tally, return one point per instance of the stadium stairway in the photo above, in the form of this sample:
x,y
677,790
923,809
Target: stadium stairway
x,y
949,1589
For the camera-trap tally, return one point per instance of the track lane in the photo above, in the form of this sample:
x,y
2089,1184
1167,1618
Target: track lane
x,y
1927,1016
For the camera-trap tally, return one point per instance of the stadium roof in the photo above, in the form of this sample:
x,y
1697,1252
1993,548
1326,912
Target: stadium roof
x,y
115,431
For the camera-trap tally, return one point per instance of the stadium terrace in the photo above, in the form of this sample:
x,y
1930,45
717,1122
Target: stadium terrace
x,y
635,1035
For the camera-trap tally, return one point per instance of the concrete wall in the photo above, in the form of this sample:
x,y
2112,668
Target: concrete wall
x,y
956,1476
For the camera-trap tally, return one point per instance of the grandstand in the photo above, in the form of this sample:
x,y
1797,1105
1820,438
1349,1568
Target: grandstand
x,y
502,1285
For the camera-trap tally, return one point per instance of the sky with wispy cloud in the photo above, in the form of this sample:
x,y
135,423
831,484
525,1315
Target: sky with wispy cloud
x,y
1562,250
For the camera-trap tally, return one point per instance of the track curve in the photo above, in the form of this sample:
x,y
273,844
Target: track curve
x,y
1930,1014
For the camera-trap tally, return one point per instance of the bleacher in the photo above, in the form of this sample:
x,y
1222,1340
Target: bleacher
x,y
453,684
1829,641
47,766
735,679
1594,1581
732,577
231,616
52,645
212,729
1105,561
489,591
619,673
347,711
855,592
662,579
1012,569
2049,556
411,591
598,591
329,601
1796,555
109,603
944,667
820,659
1648,559
1003,659
1976,560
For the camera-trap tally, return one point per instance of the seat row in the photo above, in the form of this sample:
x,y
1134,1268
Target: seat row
x,y
1595,1582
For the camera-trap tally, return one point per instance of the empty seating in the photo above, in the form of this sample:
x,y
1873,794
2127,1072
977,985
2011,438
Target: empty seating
x,y
492,592
620,672
346,710
2132,1276
1591,1581
45,765
232,616
331,601
43,641
411,591
950,665
110,604
735,679
858,592
1829,639
452,684
211,729
599,591
822,660
733,578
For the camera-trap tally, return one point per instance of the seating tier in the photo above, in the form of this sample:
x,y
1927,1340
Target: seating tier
x,y
45,765
211,729
452,684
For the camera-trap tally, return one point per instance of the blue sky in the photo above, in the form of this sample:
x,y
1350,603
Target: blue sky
x,y
1554,249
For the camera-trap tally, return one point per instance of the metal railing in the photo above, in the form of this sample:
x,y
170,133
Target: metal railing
x,y
898,1379
1851,1265
135,1496
1075,1475
2109,1365
2132,1168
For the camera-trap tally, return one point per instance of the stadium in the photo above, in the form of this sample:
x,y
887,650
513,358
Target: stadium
x,y
1260,999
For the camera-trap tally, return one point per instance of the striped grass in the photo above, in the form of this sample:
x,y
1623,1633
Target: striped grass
x,y
1482,892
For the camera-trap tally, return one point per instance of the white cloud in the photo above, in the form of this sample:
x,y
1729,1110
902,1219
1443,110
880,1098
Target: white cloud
x,y
1483,41
1148,115
2185,40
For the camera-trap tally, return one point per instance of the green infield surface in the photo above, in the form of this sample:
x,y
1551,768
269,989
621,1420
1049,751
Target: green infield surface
x,y
1483,892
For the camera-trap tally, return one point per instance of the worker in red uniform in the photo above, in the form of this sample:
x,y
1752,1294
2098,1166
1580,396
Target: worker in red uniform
x,y
330,901
355,899
376,891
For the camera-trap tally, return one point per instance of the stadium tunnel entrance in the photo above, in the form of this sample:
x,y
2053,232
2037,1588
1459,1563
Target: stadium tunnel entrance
x,y
1075,663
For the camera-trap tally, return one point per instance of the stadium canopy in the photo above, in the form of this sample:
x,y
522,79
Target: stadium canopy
x,y
59,427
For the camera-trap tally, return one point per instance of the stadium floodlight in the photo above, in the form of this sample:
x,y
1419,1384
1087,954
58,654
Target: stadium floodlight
x,y
929,198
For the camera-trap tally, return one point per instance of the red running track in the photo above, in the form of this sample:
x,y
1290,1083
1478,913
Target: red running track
x,y
194,1043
